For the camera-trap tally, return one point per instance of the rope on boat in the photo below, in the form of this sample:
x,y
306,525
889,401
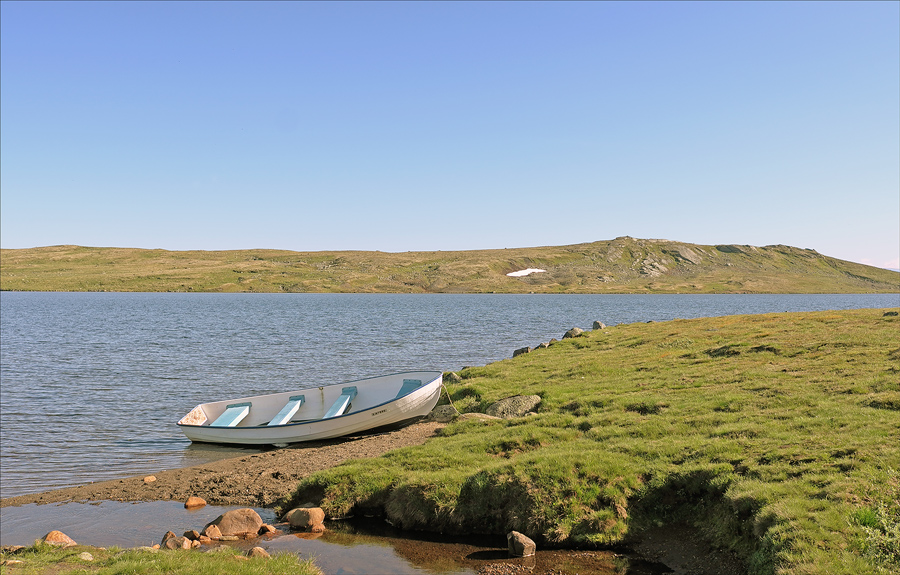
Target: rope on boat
x,y
448,398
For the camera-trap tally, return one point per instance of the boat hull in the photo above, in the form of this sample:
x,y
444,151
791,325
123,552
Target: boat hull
x,y
375,407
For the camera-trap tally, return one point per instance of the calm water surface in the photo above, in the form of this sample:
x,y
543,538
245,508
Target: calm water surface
x,y
93,383
370,548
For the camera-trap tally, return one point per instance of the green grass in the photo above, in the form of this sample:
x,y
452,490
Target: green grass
x,y
43,559
776,435
623,265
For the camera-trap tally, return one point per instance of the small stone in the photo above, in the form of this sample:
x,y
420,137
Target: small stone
x,y
194,502
155,547
211,531
193,534
150,479
166,537
599,325
195,544
318,528
204,540
522,351
85,556
58,539
267,529
478,417
258,552
519,545
542,345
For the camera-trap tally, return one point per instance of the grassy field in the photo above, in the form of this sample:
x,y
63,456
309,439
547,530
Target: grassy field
x,y
623,265
777,435
42,558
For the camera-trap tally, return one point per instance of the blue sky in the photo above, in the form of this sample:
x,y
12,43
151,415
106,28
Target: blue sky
x,y
448,126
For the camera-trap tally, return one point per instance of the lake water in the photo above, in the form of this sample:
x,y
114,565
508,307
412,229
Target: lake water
x,y
93,383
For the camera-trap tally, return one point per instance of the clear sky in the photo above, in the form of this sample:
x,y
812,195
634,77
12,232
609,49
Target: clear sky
x,y
405,126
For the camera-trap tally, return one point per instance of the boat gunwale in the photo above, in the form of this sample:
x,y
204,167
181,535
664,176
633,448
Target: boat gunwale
x,y
424,386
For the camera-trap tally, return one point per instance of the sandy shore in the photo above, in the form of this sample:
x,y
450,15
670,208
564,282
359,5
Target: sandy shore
x,y
258,480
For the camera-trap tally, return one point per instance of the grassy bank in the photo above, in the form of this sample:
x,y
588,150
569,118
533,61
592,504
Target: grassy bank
x,y
776,435
623,265
42,558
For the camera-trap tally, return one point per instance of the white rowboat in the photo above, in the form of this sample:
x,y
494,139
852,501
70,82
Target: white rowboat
x,y
315,413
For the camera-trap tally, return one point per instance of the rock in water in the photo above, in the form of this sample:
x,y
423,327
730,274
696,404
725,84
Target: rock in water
x,y
306,517
238,522
194,502
519,545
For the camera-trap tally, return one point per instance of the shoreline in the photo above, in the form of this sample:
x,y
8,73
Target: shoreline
x,y
269,479
259,480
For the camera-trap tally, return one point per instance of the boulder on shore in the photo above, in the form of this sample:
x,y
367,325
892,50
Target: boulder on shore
x,y
574,332
443,414
58,539
515,406
258,552
176,543
521,351
599,325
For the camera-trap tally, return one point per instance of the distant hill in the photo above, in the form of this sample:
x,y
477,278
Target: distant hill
x,y
622,265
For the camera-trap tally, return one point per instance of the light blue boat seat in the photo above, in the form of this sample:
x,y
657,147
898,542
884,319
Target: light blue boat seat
x,y
408,386
343,402
288,411
234,414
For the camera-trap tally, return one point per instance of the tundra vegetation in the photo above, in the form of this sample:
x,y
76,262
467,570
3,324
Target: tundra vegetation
x,y
623,265
775,435
42,558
